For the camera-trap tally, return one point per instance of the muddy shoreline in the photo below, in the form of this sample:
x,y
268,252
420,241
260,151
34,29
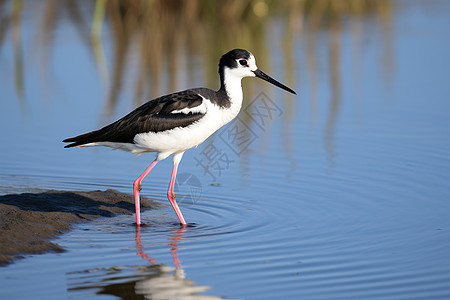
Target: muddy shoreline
x,y
29,221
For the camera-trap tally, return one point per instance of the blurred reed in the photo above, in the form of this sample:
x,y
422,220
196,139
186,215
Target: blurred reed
x,y
151,39
161,46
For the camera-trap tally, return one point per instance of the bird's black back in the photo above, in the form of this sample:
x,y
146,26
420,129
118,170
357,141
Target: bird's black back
x,y
154,116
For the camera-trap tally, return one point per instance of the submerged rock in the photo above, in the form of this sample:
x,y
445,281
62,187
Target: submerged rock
x,y
29,220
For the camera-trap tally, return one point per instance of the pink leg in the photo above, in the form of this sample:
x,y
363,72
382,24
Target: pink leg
x,y
137,186
171,192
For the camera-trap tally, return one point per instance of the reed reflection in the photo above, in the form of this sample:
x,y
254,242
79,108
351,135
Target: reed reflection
x,y
159,47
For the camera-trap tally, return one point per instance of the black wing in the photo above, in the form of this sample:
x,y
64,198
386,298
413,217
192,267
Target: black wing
x,y
155,115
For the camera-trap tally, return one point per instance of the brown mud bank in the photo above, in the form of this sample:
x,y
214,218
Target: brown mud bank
x,y
29,221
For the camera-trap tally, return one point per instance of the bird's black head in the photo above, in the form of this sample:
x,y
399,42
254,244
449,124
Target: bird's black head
x,y
230,58
240,63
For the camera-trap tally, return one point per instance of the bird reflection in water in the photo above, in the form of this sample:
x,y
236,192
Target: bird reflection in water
x,y
149,281
175,237
168,285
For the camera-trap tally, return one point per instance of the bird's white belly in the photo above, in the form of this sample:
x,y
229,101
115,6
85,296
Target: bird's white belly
x,y
171,141
182,138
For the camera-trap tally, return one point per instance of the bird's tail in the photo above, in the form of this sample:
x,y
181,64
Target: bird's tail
x,y
81,140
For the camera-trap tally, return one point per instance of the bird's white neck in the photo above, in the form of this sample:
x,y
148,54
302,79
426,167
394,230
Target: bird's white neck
x,y
231,85
233,88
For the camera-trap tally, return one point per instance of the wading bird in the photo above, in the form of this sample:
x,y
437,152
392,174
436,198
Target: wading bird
x,y
174,123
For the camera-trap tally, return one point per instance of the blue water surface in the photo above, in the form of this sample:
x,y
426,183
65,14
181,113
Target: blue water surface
x,y
340,192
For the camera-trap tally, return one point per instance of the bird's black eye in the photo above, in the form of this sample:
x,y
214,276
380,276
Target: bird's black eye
x,y
243,62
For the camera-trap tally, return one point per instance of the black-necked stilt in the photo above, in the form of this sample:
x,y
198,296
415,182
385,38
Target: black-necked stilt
x,y
172,124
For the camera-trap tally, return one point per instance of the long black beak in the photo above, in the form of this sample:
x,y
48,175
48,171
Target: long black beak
x,y
262,75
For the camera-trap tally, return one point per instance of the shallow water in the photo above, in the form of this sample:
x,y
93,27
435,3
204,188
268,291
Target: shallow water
x,y
339,193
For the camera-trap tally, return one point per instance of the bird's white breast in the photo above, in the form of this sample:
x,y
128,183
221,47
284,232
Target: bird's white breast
x,y
182,138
